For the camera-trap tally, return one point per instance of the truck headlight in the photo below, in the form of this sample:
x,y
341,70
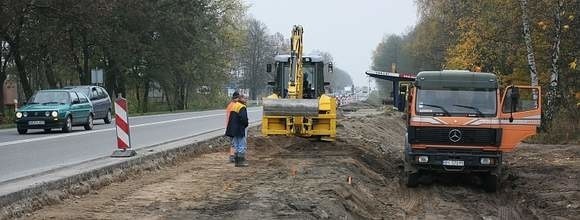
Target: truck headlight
x,y
485,161
25,114
18,114
423,159
47,114
54,114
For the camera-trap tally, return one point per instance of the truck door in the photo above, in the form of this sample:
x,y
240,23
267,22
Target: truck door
x,y
520,114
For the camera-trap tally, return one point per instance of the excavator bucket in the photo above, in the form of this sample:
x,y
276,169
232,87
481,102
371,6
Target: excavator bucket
x,y
290,107
300,117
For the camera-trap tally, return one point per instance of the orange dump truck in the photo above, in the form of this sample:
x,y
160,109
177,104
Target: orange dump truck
x,y
460,122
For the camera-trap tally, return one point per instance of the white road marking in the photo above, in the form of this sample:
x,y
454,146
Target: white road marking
x,y
108,129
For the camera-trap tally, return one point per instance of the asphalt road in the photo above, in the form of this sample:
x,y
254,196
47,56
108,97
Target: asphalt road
x,y
37,151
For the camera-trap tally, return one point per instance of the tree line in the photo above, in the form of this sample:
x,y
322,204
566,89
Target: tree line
x,y
523,42
187,50
176,45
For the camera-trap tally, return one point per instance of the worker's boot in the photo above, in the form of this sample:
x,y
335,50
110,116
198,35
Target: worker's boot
x,y
236,159
241,160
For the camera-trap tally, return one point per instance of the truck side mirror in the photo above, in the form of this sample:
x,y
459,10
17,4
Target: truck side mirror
x,y
514,95
330,68
268,69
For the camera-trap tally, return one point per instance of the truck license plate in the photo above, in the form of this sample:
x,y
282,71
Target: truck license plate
x,y
457,163
36,123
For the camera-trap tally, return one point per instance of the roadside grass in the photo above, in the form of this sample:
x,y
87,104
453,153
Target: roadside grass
x,y
7,119
565,129
7,126
158,108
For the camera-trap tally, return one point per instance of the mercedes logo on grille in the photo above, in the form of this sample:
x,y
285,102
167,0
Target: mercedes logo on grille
x,y
455,135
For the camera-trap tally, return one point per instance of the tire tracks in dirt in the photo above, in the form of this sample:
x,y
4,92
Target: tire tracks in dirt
x,y
293,178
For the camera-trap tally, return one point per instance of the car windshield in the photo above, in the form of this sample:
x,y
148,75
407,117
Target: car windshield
x,y
457,102
50,97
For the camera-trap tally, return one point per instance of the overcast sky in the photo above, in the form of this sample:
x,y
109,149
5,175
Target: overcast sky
x,y
349,30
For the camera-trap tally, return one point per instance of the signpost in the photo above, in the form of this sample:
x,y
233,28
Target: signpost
x,y
97,76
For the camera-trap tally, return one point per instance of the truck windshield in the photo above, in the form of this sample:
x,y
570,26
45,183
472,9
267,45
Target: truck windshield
x,y
457,102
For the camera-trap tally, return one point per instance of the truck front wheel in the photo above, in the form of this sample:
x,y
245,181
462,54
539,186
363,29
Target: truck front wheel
x,y
411,175
412,179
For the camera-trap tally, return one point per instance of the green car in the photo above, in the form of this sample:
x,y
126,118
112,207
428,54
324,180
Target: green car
x,y
55,109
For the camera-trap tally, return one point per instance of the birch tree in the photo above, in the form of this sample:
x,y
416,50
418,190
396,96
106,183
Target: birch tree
x,y
555,57
529,44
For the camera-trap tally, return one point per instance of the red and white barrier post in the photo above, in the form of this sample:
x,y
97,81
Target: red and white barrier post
x,y
123,130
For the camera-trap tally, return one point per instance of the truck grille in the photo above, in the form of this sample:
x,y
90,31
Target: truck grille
x,y
455,136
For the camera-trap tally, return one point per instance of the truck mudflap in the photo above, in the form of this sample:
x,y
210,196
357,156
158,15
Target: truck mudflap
x,y
454,161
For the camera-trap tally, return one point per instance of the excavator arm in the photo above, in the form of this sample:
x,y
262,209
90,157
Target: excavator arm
x,y
295,85
295,105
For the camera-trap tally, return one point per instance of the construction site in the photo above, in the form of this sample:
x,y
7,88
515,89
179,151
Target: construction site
x,y
460,123
359,176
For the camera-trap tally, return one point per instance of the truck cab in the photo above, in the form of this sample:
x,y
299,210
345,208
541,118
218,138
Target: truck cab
x,y
460,122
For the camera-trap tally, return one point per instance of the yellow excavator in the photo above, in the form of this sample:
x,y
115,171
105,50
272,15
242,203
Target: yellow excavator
x,y
299,105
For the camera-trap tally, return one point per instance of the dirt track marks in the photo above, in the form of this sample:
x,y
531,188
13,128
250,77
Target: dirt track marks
x,y
292,178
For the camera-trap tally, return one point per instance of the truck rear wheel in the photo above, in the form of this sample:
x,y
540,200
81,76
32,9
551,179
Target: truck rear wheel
x,y
412,179
491,182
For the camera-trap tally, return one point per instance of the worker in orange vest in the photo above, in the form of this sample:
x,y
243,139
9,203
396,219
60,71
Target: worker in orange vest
x,y
229,108
238,129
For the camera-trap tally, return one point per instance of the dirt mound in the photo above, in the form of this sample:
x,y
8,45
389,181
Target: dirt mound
x,y
356,177
355,106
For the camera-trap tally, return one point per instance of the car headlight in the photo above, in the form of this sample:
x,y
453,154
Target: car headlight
x,y
54,114
47,114
25,114
18,114
423,159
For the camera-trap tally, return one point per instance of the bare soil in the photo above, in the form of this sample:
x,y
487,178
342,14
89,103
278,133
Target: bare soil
x,y
294,178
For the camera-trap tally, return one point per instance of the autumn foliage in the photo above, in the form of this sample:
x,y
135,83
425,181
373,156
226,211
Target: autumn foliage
x,y
488,36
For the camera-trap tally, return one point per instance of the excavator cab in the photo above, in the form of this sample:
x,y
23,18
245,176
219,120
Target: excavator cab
x,y
313,80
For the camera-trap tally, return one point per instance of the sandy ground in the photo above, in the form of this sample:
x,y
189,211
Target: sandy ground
x,y
293,178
